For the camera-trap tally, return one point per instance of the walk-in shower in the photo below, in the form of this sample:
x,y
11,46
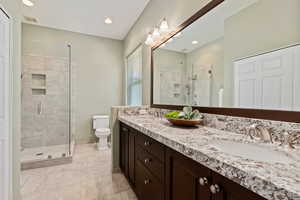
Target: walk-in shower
x,y
47,98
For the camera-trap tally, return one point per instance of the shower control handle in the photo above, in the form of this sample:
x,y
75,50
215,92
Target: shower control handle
x,y
39,109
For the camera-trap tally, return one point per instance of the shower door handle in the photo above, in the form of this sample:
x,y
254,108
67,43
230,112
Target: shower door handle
x,y
39,108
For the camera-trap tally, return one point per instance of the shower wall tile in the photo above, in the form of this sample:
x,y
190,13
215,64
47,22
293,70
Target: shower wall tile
x,y
51,125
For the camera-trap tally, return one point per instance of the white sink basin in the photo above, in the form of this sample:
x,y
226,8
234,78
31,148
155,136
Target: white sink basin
x,y
252,152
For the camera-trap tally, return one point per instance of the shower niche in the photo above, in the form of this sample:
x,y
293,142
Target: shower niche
x,y
38,84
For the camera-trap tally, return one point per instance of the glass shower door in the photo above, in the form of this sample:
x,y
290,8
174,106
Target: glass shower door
x,y
46,103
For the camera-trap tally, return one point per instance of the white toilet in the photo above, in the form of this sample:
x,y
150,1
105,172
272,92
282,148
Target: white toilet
x,y
102,131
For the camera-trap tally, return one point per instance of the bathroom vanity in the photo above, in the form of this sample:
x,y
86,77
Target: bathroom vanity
x,y
164,162
228,63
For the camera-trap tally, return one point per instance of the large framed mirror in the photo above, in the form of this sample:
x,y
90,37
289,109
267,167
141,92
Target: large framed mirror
x,y
232,57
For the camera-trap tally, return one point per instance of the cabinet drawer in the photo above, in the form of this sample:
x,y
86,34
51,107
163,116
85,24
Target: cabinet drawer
x,y
153,147
147,186
151,163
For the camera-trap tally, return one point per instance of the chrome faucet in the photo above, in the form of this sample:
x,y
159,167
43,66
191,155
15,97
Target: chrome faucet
x,y
260,132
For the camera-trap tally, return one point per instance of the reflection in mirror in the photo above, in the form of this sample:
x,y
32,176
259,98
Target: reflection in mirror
x,y
242,54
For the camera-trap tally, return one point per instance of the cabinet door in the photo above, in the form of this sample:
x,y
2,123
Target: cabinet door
x,y
147,186
225,189
131,156
183,177
124,132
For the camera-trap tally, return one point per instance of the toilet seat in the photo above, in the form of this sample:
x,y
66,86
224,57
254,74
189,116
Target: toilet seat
x,y
102,131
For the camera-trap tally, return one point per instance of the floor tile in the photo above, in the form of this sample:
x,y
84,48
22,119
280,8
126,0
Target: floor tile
x,y
88,177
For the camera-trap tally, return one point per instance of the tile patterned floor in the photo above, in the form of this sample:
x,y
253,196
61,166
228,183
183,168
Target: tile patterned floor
x,y
89,177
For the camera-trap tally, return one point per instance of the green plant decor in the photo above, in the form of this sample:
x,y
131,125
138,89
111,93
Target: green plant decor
x,y
187,114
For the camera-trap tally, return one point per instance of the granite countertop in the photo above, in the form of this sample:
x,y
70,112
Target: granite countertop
x,y
274,181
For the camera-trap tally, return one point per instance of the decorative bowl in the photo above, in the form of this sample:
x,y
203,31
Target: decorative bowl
x,y
184,122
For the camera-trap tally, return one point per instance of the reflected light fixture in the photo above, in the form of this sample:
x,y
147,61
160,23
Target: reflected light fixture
x,y
195,42
108,21
156,34
149,40
28,3
164,27
163,45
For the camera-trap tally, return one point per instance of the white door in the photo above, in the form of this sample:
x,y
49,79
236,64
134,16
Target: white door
x,y
4,107
268,81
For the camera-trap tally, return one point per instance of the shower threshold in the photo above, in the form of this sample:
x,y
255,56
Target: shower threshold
x,y
39,157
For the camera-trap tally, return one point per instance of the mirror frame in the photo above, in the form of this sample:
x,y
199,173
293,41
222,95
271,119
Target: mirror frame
x,y
275,115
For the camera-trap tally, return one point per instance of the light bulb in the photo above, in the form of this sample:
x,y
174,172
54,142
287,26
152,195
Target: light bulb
x,y
156,34
149,40
164,27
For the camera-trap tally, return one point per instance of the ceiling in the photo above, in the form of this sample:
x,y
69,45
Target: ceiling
x,y
208,28
87,16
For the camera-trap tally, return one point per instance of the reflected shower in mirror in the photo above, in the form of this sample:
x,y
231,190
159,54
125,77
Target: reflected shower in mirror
x,y
241,54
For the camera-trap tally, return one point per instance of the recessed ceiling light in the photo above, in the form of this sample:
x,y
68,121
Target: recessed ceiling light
x,y
108,21
28,3
195,42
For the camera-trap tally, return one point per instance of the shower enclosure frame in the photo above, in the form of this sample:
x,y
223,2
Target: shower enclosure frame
x,y
66,156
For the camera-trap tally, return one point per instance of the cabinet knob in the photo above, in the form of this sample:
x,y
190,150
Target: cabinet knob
x,y
214,189
203,181
124,129
147,181
147,160
146,143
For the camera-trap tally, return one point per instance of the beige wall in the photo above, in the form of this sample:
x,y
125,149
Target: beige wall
x,y
13,9
168,61
176,12
261,27
99,66
211,54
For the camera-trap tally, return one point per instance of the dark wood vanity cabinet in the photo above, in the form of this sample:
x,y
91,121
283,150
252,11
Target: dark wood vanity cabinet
x,y
127,152
183,178
157,172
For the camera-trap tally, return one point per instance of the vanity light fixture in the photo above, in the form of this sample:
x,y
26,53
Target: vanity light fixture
x,y
149,40
164,27
195,42
108,21
28,3
156,34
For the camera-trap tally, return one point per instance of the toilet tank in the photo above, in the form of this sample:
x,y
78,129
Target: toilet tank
x,y
100,121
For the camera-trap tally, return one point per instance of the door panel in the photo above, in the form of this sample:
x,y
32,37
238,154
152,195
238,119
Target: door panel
x,y
4,106
267,81
147,186
296,51
230,190
131,156
182,178
124,149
